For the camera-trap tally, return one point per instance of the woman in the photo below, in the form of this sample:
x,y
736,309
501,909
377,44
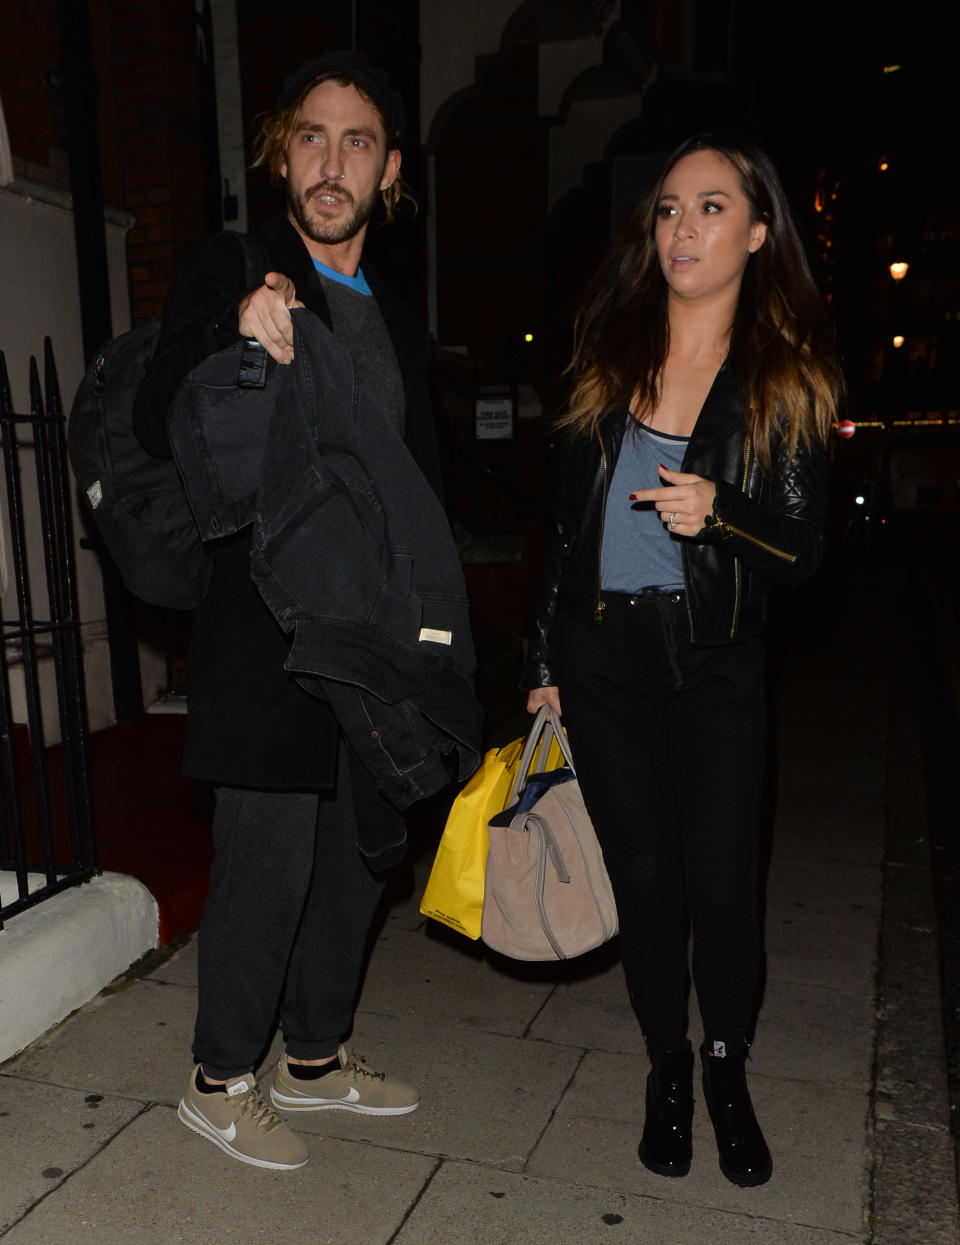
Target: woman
x,y
692,477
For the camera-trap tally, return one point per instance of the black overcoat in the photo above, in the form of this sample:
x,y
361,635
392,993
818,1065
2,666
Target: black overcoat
x,y
249,723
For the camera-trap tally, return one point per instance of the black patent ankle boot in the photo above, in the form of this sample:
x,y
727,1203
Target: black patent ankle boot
x,y
744,1157
666,1146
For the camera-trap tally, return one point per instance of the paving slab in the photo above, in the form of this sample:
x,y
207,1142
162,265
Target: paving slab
x,y
816,1135
46,1134
849,722
405,890
804,790
856,706
148,1186
133,1042
857,769
849,892
178,969
815,1033
483,1096
464,1204
826,838
805,947
414,973
828,736
594,1012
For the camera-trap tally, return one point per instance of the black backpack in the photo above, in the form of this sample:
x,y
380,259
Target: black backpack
x,y
137,501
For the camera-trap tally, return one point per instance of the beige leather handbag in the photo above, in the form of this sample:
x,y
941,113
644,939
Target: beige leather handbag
x,y
547,894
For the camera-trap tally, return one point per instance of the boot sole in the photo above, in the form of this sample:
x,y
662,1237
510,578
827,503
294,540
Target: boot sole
x,y
746,1182
661,1169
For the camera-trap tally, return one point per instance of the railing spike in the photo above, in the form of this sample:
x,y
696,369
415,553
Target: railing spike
x,y
51,383
36,394
6,401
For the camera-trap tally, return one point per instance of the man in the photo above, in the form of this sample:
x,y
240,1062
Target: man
x,y
291,896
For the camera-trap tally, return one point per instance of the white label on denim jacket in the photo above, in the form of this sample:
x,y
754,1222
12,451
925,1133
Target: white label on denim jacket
x,y
95,494
435,636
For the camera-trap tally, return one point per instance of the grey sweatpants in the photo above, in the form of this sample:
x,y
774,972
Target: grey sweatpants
x,y
285,925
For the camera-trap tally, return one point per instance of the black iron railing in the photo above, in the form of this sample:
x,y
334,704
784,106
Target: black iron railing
x,y
46,812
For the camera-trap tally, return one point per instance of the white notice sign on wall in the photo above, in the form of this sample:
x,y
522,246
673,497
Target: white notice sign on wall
x,y
494,419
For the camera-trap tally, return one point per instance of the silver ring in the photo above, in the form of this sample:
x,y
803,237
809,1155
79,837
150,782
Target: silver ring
x,y
672,522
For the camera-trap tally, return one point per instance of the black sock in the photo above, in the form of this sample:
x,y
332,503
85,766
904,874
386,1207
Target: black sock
x,y
312,1071
205,1087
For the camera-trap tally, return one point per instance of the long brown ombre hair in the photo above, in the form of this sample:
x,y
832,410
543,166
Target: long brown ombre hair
x,y
781,346
276,129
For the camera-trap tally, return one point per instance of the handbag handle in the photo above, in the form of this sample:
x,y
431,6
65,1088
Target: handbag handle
x,y
545,724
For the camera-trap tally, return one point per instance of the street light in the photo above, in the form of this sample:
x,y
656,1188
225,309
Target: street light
x,y
898,269
897,342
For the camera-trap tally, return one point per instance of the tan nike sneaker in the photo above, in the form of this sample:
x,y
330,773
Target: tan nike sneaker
x,y
353,1087
241,1123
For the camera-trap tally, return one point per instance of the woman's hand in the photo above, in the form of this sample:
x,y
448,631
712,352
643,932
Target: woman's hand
x,y
544,696
684,503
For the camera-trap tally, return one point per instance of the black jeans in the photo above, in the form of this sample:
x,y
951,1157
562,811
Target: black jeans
x,y
285,925
668,740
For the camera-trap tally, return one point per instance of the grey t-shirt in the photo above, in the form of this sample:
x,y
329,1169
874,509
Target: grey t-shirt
x,y
358,323
638,551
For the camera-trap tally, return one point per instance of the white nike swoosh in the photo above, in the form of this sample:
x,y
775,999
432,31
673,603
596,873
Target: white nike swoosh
x,y
352,1095
227,1134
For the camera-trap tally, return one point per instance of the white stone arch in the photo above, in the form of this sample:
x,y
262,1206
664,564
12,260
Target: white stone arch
x,y
583,135
583,106
452,40
452,36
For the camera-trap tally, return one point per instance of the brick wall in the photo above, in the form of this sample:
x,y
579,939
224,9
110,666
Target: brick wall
x,y
145,62
149,106
158,135
29,57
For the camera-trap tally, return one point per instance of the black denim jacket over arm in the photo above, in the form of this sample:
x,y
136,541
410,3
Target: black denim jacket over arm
x,y
351,551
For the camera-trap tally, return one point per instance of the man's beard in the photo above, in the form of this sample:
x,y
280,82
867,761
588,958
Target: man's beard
x,y
330,231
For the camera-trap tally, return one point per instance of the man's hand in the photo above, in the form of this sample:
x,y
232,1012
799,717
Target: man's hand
x,y
684,503
265,316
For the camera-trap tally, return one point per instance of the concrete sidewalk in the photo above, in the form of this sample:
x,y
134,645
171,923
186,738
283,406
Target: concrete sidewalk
x,y
532,1077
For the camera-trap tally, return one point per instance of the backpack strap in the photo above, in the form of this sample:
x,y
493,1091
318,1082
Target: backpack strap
x,y
256,258
252,371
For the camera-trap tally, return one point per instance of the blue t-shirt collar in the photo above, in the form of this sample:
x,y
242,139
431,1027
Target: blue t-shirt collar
x,y
357,283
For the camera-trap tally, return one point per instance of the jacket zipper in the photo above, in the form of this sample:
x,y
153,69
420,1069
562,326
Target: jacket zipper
x,y
601,604
725,527
747,447
754,540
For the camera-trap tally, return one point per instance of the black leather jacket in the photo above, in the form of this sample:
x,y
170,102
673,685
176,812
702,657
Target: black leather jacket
x,y
766,530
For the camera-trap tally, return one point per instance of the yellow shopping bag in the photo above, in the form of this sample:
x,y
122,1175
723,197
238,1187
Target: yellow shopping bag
x,y
454,892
